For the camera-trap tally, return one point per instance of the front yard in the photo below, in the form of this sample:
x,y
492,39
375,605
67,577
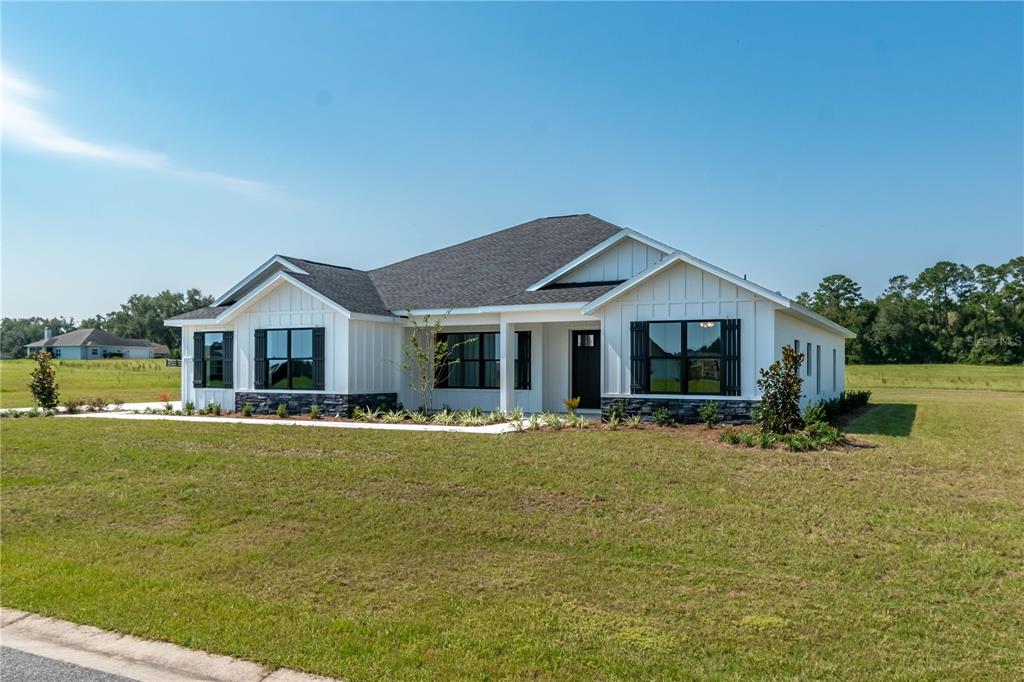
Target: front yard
x,y
368,554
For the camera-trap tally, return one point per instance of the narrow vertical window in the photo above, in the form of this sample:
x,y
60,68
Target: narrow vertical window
x,y
833,370
522,361
817,364
809,363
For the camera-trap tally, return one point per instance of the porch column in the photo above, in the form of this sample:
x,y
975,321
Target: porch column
x,y
506,366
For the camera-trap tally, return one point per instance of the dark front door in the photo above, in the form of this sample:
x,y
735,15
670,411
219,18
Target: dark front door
x,y
586,368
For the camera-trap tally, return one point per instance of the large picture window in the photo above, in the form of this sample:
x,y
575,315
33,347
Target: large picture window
x,y
473,360
290,359
685,357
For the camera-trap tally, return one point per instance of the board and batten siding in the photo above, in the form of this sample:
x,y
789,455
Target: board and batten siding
x,y
620,262
789,329
684,292
374,356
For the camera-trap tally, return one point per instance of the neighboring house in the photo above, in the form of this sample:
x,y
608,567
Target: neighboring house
x,y
556,307
96,344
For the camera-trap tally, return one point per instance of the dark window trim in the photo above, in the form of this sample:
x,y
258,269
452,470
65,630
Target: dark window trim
x,y
480,359
685,355
227,337
523,367
288,360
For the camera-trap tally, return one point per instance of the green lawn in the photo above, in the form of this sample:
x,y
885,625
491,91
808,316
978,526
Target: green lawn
x,y
976,377
125,380
563,555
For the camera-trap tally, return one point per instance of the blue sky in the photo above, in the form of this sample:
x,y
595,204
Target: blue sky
x,y
176,145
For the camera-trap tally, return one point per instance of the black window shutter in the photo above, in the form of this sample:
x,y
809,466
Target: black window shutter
x,y
229,359
731,357
639,365
260,360
318,359
523,343
197,360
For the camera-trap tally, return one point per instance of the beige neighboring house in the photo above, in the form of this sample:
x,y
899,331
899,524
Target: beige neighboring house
x,y
96,344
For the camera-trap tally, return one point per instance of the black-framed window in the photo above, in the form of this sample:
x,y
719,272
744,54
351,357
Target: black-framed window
x,y
290,359
686,357
473,360
212,355
524,350
808,359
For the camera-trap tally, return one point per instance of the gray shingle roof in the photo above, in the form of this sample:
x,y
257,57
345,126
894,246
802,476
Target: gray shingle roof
x,y
88,337
492,270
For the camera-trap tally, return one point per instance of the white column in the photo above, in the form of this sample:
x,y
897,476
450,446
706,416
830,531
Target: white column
x,y
506,367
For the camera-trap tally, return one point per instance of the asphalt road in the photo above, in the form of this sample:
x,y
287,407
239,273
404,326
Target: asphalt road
x,y
18,666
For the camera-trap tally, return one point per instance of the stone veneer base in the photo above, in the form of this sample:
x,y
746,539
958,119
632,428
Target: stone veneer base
x,y
684,409
300,402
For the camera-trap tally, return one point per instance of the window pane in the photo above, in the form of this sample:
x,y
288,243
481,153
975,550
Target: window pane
x,y
704,337
490,346
491,374
302,375
277,343
471,346
666,339
302,343
703,376
214,344
665,376
214,373
455,373
470,374
277,374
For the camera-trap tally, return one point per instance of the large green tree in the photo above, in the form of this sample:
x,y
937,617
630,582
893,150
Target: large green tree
x,y
16,333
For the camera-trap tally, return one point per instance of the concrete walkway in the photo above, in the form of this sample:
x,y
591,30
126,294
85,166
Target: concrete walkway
x,y
490,429
175,405
129,657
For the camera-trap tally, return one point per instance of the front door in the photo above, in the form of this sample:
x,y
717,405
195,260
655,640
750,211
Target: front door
x,y
586,368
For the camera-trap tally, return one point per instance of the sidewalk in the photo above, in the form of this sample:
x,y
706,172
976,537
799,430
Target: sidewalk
x,y
130,657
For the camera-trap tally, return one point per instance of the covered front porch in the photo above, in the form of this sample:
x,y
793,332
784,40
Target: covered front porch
x,y
533,360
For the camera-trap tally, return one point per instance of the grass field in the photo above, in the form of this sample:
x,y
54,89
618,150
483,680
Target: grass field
x,y
124,380
551,555
973,377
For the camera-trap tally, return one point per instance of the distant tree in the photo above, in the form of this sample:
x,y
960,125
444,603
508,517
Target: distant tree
x,y
44,382
16,333
142,316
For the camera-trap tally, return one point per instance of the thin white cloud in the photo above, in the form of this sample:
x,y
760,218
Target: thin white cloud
x,y
23,123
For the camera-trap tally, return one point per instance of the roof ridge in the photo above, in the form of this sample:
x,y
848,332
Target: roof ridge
x,y
316,262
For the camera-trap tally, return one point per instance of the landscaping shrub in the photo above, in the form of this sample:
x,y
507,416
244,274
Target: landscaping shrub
x,y
634,421
823,434
749,438
75,406
419,417
314,412
552,420
662,417
617,410
43,384
730,435
766,439
780,386
214,409
815,412
612,423
516,415
571,404
282,411
444,418
534,422
709,413
393,416
97,405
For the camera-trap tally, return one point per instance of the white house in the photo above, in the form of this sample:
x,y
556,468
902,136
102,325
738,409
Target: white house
x,y
96,344
556,307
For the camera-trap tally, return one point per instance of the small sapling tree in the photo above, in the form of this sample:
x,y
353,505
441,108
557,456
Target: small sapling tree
x,y
780,385
44,382
429,356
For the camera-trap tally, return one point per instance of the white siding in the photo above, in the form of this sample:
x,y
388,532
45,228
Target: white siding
x,y
374,356
684,292
625,259
789,329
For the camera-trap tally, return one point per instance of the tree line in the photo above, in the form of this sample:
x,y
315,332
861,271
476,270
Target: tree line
x,y
140,317
949,313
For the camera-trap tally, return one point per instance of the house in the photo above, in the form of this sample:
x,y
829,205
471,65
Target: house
x,y
96,344
556,307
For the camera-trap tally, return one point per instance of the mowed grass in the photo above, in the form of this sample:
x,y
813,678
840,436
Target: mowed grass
x,y
570,555
124,380
972,377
